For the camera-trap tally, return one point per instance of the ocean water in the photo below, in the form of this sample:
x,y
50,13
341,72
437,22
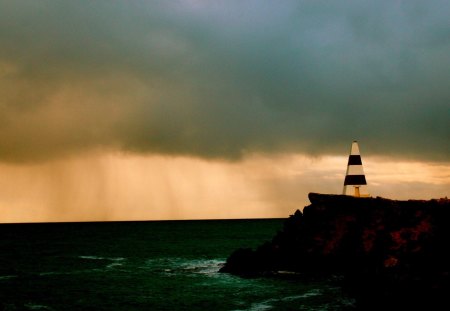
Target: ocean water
x,y
166,265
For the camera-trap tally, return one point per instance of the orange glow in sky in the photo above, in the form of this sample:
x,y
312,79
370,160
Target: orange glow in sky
x,y
117,186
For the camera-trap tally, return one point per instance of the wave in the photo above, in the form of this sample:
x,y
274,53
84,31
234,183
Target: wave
x,y
209,267
308,294
116,261
102,258
32,306
7,277
274,303
97,264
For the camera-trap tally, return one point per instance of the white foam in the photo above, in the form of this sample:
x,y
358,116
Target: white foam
x,y
268,304
311,293
102,258
33,306
260,306
210,266
178,265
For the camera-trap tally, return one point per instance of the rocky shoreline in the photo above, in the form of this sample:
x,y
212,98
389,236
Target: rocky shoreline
x,y
389,253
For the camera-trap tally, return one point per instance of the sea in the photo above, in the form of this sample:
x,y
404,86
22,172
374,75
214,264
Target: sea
x,y
148,265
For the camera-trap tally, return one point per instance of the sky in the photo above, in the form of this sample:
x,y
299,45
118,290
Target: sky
x,y
189,109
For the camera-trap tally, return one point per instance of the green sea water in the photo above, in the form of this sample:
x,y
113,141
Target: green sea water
x,y
166,265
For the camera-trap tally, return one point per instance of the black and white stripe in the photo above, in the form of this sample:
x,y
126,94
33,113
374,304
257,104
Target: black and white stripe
x,y
355,181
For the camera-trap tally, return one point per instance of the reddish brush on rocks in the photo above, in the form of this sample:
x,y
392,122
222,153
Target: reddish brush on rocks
x,y
390,252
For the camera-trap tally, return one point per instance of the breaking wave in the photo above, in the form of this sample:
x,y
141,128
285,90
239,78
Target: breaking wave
x,y
173,266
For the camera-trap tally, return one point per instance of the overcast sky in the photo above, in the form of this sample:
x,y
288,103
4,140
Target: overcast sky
x,y
224,80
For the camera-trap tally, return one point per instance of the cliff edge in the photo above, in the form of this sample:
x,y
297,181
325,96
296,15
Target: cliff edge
x,y
390,253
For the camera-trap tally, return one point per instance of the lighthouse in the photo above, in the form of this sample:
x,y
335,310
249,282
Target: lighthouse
x,y
355,183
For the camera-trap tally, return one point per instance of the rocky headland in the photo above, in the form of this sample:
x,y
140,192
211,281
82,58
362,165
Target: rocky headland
x,y
388,253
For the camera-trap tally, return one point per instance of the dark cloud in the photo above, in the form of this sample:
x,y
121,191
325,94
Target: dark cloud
x,y
223,79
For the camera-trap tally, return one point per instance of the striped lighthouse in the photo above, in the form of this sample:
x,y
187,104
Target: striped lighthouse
x,y
355,181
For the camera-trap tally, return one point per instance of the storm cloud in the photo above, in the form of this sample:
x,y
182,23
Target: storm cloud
x,y
224,79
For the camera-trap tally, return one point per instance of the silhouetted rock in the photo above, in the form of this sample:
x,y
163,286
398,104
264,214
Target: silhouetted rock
x,y
391,253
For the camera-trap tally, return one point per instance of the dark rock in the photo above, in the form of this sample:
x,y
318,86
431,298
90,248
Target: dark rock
x,y
391,253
